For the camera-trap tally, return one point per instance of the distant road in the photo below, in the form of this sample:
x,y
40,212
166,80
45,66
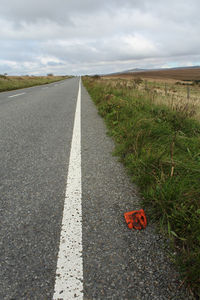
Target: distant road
x,y
99,257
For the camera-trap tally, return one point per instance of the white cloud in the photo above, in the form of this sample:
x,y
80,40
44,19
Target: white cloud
x,y
97,36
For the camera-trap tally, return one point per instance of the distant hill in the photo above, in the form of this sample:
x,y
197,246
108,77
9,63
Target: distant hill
x,y
191,67
181,73
127,71
135,70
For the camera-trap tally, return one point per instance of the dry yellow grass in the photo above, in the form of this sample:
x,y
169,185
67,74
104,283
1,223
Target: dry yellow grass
x,y
170,92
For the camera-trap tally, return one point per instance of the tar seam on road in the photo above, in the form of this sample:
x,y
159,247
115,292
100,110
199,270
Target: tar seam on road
x,y
69,273
16,95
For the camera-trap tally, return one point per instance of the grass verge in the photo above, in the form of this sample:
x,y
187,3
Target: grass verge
x,y
8,83
161,149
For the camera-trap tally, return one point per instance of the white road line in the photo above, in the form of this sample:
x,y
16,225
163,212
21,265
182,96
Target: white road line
x,y
69,273
16,95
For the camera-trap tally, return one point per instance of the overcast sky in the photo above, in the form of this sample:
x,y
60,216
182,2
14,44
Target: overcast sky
x,y
97,36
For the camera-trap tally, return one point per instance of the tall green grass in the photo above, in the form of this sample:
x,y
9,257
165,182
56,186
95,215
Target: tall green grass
x,y
8,83
161,149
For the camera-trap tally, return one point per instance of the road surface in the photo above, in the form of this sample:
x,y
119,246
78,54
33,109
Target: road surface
x,y
57,168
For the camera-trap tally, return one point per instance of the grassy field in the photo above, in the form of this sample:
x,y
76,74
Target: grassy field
x,y
174,94
157,137
8,83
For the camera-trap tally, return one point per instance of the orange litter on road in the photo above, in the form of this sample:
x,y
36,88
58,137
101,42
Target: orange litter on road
x,y
136,219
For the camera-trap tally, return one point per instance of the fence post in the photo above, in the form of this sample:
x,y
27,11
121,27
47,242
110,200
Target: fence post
x,y
146,85
165,89
188,92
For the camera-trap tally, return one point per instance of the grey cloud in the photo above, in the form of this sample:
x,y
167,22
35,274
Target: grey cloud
x,y
56,10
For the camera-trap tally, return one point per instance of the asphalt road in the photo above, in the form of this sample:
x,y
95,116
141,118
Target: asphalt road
x,y
36,128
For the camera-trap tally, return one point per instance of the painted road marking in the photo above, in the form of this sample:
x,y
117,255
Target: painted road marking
x,y
69,273
16,95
